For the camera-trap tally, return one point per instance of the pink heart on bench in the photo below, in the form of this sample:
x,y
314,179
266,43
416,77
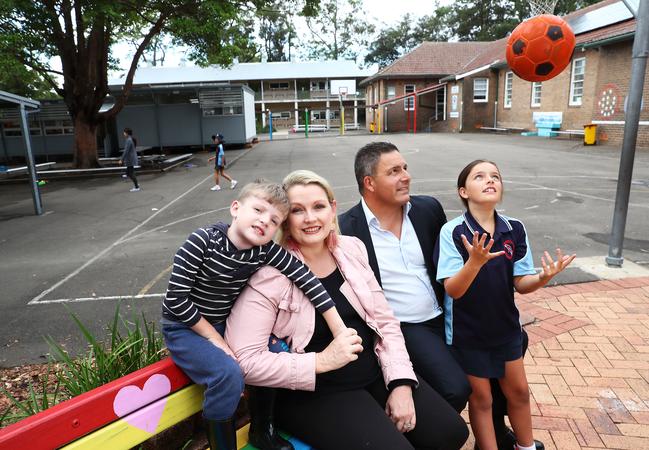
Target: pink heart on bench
x,y
132,398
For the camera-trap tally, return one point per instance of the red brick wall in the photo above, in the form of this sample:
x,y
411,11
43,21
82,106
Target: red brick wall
x,y
394,117
478,114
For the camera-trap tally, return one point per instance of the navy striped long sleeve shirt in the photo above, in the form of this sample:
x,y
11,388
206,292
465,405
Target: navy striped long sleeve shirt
x,y
209,273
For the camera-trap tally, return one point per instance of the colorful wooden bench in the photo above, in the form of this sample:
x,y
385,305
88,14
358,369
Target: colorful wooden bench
x,y
118,415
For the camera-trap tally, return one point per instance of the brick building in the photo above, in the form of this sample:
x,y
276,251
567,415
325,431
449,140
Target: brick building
x,y
592,89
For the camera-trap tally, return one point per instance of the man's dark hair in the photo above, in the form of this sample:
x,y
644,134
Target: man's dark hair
x,y
214,137
128,131
367,158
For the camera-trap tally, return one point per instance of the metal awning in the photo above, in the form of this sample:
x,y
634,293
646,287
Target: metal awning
x,y
24,104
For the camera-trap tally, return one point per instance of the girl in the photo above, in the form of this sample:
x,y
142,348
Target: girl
x,y
219,165
481,257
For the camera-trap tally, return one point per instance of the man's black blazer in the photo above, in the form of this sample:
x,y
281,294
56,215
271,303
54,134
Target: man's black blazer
x,y
427,217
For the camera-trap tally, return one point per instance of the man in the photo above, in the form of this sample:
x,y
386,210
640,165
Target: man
x,y
399,231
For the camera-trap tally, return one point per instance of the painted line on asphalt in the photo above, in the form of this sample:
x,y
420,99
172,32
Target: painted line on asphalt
x,y
74,273
94,299
157,278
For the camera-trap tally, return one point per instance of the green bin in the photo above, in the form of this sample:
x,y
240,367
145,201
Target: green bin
x,y
590,134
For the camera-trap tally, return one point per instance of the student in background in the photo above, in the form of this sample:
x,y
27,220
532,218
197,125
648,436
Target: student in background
x,y
219,165
129,158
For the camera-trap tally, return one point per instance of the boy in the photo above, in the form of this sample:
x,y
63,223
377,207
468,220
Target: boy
x,y
209,272
219,165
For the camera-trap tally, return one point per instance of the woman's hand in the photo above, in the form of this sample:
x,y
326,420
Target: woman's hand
x,y
551,268
342,350
478,251
400,407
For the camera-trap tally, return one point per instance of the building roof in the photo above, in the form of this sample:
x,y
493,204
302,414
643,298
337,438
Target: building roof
x,y
431,59
245,71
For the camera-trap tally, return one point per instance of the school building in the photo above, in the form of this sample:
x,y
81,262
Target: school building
x,y
465,86
184,106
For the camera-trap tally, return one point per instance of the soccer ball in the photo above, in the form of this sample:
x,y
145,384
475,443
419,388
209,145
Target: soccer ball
x,y
540,48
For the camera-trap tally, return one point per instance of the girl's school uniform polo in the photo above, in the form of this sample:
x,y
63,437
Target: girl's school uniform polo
x,y
485,316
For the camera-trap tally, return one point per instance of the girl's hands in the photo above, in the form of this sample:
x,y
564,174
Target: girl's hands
x,y
478,251
551,267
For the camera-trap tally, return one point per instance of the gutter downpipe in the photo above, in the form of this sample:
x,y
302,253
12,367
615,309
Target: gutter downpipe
x,y
33,178
631,123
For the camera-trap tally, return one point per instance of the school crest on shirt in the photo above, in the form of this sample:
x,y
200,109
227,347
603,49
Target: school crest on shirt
x,y
508,247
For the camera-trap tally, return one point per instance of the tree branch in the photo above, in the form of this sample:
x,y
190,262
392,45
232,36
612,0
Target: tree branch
x,y
128,83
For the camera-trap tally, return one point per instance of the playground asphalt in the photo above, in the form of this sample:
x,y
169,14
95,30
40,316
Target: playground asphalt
x,y
98,244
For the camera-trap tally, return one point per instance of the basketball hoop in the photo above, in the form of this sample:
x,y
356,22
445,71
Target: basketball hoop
x,y
342,93
538,7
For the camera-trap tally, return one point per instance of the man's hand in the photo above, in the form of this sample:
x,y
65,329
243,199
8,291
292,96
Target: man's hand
x,y
400,407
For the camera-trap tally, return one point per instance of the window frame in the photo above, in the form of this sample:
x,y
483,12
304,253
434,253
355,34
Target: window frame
x,y
389,94
280,115
486,90
572,99
279,86
409,102
539,85
508,90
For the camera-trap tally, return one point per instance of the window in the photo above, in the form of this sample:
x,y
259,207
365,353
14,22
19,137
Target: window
x,y
392,92
509,79
58,127
480,89
318,85
281,114
224,110
577,81
322,114
279,85
409,102
536,93
14,129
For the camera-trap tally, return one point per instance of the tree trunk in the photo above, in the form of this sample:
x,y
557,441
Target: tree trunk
x,y
85,143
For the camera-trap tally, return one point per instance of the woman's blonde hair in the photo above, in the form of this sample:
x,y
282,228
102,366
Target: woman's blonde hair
x,y
304,178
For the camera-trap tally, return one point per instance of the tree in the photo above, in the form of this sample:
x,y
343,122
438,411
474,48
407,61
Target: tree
x,y
276,30
394,42
80,34
338,30
20,80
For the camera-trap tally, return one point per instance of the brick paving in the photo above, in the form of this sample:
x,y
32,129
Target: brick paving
x,y
588,364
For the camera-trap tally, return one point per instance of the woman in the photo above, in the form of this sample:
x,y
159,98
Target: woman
x,y
357,390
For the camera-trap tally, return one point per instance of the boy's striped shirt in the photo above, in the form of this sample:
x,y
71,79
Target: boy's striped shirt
x,y
209,273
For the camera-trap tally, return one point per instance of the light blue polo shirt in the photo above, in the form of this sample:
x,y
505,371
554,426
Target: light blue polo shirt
x,y
485,316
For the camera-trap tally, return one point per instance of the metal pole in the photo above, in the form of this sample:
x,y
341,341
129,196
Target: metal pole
x,y
306,123
36,193
631,121
270,124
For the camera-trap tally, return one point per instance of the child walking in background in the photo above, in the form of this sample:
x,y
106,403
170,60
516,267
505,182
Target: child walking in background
x,y
219,165
209,272
482,256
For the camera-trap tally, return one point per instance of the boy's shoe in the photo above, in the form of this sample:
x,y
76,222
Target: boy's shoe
x,y
233,184
124,175
216,187
135,189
